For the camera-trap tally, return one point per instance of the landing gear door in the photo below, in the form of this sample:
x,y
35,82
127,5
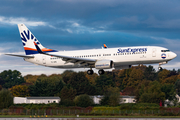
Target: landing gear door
x,y
154,52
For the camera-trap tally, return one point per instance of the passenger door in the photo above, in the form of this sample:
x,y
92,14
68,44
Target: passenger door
x,y
154,52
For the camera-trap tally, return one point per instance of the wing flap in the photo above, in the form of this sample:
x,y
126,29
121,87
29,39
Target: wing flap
x,y
70,59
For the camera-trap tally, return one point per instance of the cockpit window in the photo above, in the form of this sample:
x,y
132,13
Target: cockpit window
x,y
165,50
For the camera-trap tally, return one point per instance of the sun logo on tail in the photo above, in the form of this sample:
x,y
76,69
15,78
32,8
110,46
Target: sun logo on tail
x,y
26,36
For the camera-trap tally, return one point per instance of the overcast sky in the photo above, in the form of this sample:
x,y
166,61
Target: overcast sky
x,y
85,24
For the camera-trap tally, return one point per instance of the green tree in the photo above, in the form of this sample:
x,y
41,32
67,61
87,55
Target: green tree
x,y
83,100
82,85
143,86
91,78
1,81
105,100
104,81
111,97
177,86
150,73
169,91
136,76
67,96
20,91
46,86
153,93
129,91
163,75
170,80
67,93
31,78
122,78
173,72
11,78
66,75
6,98
120,75
114,98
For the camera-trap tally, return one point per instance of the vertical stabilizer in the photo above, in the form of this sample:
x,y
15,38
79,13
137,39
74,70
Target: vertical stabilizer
x,y
28,40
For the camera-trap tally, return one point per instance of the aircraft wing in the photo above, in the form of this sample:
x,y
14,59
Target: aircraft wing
x,y
24,56
73,59
68,59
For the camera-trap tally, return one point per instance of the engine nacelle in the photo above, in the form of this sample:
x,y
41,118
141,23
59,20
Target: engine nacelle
x,y
104,64
122,67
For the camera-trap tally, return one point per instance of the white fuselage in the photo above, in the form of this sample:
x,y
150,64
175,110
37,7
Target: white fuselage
x,y
120,56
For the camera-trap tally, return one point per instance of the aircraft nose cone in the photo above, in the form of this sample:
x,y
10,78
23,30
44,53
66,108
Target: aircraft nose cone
x,y
174,55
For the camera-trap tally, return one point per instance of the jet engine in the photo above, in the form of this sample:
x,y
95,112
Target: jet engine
x,y
104,64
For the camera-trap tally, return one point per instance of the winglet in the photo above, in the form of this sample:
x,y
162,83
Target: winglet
x,y
105,46
38,49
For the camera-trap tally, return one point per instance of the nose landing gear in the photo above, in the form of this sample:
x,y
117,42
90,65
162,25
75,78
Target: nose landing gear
x,y
159,68
161,63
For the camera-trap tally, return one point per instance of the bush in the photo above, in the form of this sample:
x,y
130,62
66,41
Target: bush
x,y
104,101
139,106
83,101
66,103
105,108
128,106
36,106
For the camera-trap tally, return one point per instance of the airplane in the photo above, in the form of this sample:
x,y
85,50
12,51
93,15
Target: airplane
x,y
105,58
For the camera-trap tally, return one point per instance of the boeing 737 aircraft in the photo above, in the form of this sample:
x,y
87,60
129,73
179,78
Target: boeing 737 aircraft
x,y
105,58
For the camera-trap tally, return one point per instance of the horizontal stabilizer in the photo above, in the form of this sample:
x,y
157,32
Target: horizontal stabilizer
x,y
24,56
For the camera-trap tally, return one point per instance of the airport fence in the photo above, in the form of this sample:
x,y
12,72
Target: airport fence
x,y
65,112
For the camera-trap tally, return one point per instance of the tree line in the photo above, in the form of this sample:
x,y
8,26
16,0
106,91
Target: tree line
x,y
144,82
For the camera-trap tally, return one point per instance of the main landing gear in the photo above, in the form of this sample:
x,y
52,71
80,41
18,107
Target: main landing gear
x,y
90,72
101,71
